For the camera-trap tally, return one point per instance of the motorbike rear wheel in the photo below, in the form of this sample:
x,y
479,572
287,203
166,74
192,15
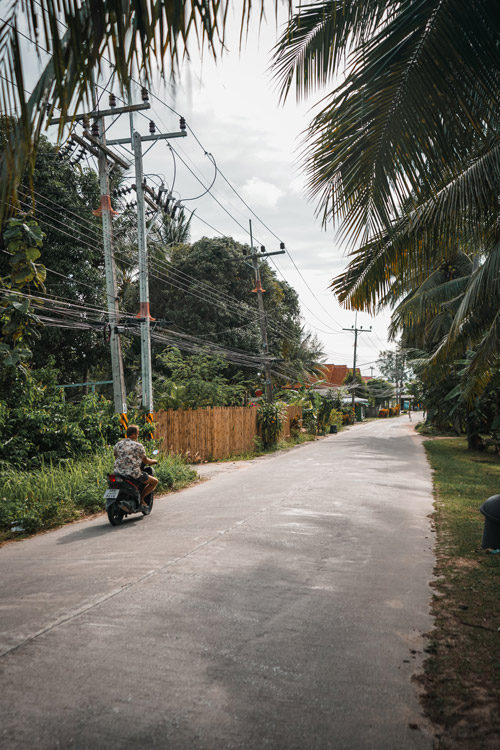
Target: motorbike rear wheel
x,y
115,515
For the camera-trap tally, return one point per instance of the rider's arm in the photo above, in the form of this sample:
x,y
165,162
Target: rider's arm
x,y
149,461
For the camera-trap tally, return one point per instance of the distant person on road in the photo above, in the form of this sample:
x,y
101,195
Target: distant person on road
x,y
130,456
409,414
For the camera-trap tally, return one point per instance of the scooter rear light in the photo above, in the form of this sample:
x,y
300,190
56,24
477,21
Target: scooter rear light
x,y
112,477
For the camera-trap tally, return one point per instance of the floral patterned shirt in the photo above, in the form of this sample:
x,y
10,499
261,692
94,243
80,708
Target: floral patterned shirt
x,y
129,454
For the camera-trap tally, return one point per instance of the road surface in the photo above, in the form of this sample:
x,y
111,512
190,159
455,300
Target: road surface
x,y
279,604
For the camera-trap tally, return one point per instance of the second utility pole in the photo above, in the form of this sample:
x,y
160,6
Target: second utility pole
x,y
356,330
262,320
144,314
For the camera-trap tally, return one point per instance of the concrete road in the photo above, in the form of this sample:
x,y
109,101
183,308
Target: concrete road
x,y
279,604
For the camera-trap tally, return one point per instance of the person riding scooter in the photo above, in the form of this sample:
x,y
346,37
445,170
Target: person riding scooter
x,y
130,456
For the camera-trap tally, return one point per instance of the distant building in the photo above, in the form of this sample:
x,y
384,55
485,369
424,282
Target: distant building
x,y
332,375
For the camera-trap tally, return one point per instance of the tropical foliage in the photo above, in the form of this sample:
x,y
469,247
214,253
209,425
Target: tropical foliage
x,y
22,239
39,424
270,418
189,382
405,156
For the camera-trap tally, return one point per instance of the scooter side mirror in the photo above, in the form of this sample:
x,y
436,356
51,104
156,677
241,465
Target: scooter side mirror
x,y
155,453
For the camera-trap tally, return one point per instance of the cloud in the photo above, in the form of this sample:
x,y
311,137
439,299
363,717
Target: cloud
x,y
261,193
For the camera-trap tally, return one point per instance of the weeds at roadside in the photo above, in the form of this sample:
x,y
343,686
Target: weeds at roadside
x,y
32,501
461,672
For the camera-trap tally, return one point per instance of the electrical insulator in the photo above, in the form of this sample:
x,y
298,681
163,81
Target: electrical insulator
x,y
152,127
47,108
86,122
95,129
174,210
145,94
262,249
182,123
112,101
245,251
282,245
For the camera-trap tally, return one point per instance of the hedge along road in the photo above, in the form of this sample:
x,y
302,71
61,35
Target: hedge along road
x,y
278,605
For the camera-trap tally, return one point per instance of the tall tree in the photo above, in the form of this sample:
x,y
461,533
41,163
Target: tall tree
x,y
206,291
61,199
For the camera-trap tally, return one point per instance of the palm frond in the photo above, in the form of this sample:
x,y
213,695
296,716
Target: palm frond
x,y
418,97
481,300
484,364
318,38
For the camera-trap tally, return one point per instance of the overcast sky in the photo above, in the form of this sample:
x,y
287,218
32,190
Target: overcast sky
x,y
233,110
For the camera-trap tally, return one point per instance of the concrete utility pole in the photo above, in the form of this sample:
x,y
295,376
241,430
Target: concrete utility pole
x,y
354,329
141,188
106,212
262,320
266,359
95,143
262,313
144,314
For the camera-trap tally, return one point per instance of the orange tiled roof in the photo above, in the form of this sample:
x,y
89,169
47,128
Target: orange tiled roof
x,y
334,375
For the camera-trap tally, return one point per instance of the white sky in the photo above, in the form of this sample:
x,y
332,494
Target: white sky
x,y
234,111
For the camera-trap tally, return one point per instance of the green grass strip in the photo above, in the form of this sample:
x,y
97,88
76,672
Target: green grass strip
x,y
462,673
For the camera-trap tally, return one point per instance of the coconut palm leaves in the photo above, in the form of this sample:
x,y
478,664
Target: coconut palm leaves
x,y
420,90
405,156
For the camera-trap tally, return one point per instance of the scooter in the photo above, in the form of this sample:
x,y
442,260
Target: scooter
x,y
123,496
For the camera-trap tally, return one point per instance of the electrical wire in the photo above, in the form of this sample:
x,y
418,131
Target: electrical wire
x,y
208,190
227,181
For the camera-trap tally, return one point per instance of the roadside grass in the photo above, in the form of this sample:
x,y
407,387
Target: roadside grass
x,y
32,501
462,674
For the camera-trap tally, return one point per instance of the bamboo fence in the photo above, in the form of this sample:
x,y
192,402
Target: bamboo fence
x,y
212,433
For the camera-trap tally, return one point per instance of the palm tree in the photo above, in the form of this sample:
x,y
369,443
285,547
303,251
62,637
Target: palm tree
x,y
405,153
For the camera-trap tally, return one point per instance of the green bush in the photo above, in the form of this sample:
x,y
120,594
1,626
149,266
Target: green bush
x,y
309,420
336,417
270,419
173,473
39,426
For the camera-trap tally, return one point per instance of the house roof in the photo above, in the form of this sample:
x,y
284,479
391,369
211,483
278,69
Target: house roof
x,y
334,375
348,400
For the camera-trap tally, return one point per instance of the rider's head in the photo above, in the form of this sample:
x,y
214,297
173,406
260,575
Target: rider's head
x,y
133,431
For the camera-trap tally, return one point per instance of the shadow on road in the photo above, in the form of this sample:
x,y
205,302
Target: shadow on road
x,y
91,532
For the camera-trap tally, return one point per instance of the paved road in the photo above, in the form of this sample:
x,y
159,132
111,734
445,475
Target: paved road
x,y
279,604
